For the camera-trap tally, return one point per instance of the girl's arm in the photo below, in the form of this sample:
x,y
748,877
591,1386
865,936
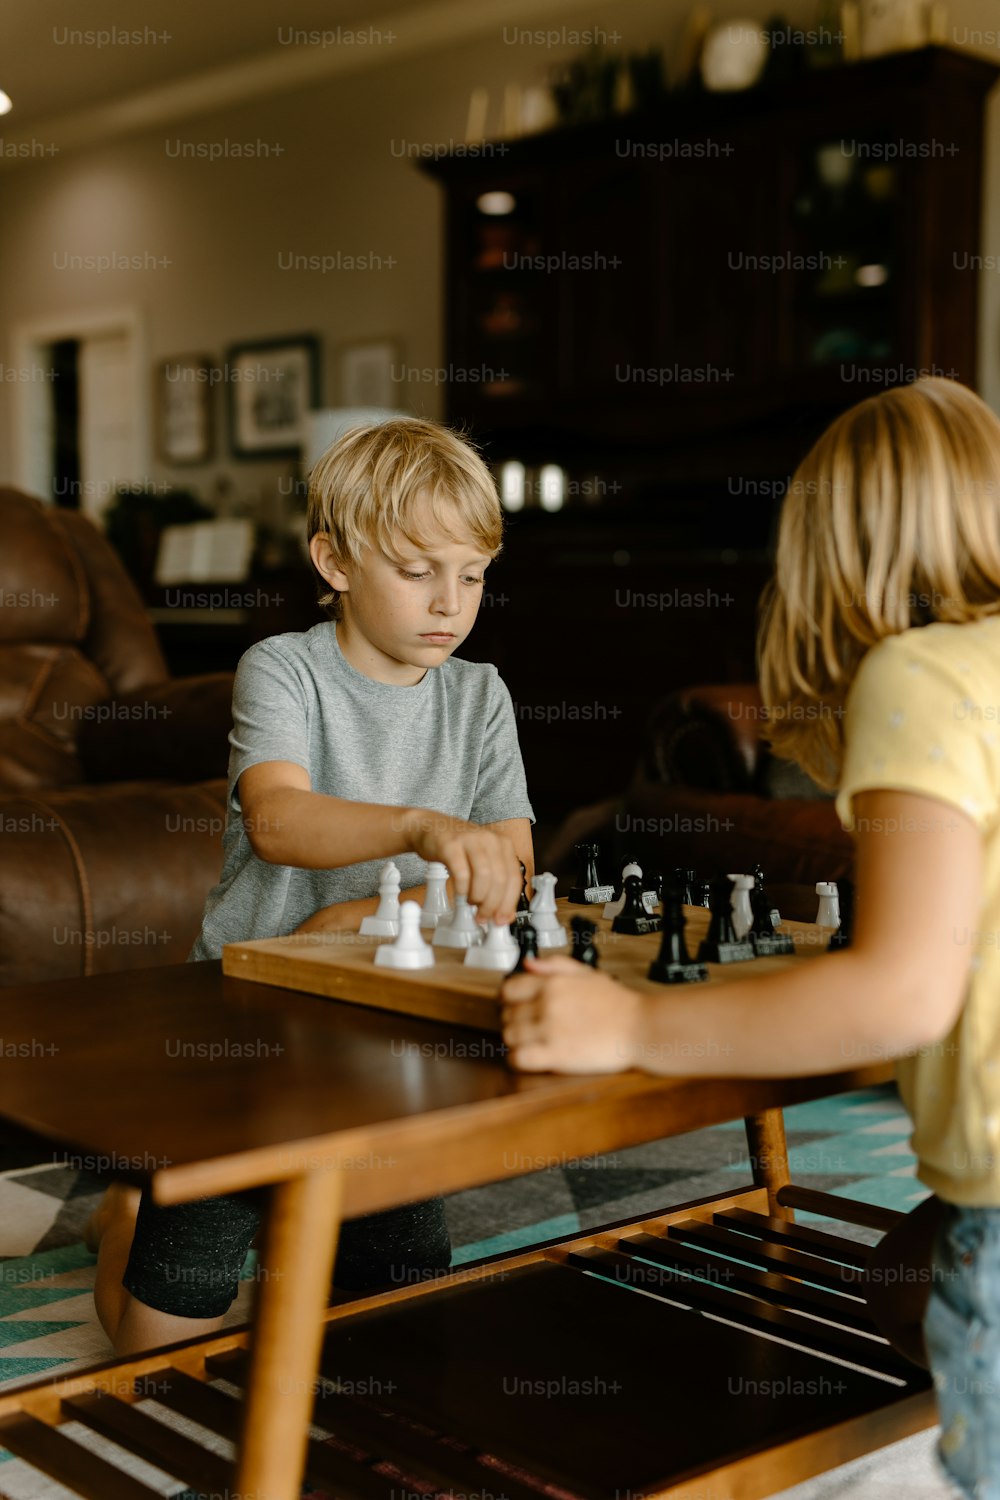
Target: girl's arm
x,y
899,986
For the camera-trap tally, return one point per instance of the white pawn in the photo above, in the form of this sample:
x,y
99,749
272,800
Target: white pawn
x,y
543,913
614,907
409,951
385,922
499,951
828,915
435,908
741,908
463,931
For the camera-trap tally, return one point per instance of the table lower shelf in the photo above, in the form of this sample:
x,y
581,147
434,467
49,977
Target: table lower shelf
x,y
709,1351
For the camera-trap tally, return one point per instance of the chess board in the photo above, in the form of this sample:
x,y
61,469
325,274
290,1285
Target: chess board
x,y
341,966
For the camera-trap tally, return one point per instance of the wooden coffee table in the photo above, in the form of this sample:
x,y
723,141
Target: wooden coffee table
x,y
192,1084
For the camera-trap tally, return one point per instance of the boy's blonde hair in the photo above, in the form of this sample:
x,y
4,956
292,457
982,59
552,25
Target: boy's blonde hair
x,y
891,521
368,487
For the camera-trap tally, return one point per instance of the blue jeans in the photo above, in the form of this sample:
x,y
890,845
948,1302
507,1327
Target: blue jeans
x,y
962,1331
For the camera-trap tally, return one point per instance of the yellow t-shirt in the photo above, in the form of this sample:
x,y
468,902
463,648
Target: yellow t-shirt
x,y
923,716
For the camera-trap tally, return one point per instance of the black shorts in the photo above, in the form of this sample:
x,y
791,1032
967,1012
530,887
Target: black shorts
x,y
186,1259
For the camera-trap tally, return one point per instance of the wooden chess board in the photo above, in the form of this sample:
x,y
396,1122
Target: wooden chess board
x,y
341,966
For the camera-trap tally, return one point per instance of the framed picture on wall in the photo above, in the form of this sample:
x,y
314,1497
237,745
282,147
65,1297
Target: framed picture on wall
x,y
271,385
182,402
367,374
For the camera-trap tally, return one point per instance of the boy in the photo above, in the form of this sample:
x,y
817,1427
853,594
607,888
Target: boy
x,y
354,742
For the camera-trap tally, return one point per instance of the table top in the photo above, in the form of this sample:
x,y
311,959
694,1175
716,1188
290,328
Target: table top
x,y
195,1083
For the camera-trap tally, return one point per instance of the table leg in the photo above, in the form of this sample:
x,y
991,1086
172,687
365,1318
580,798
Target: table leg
x,y
293,1292
769,1157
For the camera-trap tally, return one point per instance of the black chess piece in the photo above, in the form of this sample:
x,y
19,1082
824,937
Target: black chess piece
x,y
527,942
582,945
588,890
720,944
766,941
846,895
634,920
653,888
523,914
703,893
686,882
674,964
619,887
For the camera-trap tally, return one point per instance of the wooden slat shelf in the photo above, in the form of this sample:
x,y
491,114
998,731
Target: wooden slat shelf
x,y
639,1357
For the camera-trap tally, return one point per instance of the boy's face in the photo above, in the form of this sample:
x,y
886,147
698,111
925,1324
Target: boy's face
x,y
405,613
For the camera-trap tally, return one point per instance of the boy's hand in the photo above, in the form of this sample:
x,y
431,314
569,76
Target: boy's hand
x,y
563,1017
483,865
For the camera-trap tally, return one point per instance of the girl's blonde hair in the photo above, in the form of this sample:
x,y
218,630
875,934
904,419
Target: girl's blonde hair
x,y
403,477
891,521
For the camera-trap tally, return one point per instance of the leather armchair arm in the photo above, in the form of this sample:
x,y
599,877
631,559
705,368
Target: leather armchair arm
x,y
175,731
71,898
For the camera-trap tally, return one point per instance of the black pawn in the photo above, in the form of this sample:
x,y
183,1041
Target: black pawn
x,y
674,965
527,942
619,890
720,945
582,945
523,914
845,932
766,941
634,920
588,890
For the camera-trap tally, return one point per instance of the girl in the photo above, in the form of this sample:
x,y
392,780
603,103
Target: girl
x,y
879,653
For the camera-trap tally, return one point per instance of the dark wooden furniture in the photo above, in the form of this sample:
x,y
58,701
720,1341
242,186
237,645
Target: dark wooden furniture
x,y
746,267
736,267
195,1084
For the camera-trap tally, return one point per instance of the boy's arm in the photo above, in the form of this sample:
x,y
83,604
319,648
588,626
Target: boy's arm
x,y
897,988
518,830
345,916
288,823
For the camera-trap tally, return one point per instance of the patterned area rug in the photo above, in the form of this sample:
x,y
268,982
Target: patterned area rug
x,y
855,1145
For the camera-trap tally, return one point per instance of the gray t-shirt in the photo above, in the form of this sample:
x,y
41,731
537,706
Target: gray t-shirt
x,y
447,743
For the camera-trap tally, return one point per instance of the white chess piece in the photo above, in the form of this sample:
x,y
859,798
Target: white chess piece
x,y
435,908
741,908
543,913
500,951
463,931
385,922
828,914
614,907
409,951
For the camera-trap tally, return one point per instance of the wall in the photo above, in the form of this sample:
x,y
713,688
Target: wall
x,y
338,186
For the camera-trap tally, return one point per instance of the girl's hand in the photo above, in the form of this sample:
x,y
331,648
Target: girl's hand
x,y
563,1017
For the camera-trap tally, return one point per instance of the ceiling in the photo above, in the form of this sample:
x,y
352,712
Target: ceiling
x,y
48,74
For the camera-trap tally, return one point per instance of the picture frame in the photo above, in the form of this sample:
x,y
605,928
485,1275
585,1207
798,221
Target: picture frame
x,y
271,384
183,407
366,374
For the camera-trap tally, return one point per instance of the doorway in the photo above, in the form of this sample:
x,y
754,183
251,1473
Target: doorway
x,y
81,428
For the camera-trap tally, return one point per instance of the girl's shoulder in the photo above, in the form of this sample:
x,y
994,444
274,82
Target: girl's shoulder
x,y
968,649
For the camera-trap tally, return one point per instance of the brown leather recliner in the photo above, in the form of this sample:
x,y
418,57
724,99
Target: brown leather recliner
x,y
708,794
112,775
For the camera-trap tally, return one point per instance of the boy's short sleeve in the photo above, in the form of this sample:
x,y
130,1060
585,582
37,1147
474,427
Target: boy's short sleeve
x,y
915,723
270,713
501,790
